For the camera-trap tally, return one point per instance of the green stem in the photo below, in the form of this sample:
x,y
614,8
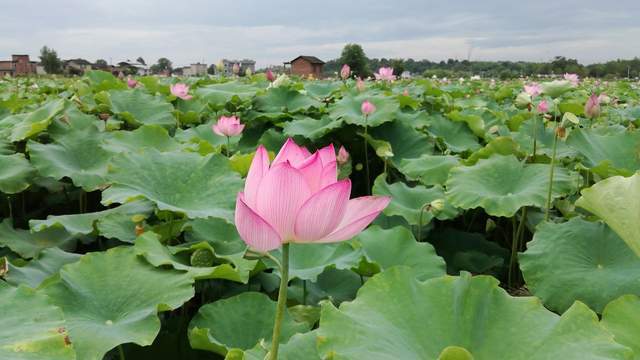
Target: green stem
x,y
121,351
515,245
304,292
535,136
282,303
10,208
422,210
366,156
552,165
228,146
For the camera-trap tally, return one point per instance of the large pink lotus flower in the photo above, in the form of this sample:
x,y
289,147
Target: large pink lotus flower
x,y
299,199
181,90
228,126
533,89
592,107
385,73
345,72
543,107
574,79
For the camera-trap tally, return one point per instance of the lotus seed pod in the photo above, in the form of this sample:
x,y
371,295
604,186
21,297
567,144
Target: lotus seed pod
x,y
202,258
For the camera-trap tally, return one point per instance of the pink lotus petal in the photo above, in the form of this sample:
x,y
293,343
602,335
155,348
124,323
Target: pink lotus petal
x,y
329,174
253,229
327,154
360,213
322,212
258,169
282,191
217,130
291,152
311,169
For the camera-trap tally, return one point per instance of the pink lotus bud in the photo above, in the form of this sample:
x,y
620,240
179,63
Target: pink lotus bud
x,y
297,198
592,107
236,68
367,108
533,89
542,107
228,126
405,92
385,74
343,156
345,72
131,83
270,75
574,79
360,85
180,90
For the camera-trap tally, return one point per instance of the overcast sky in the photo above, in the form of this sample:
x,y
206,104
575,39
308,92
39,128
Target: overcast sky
x,y
278,30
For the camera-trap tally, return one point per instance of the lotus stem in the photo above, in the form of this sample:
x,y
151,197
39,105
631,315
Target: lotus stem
x,y
515,245
535,135
282,303
422,210
366,156
121,351
552,165
228,145
10,208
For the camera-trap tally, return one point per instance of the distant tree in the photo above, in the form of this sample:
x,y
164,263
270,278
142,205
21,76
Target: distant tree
x,y
398,66
163,65
211,70
50,60
353,55
141,60
101,62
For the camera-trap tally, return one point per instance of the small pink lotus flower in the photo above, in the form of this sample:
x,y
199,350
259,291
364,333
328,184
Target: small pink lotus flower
x,y
385,74
592,107
405,92
345,72
533,89
343,156
298,199
228,126
131,82
574,79
367,108
181,90
270,75
542,107
360,84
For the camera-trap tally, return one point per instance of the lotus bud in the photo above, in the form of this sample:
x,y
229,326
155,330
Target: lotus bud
x,y
360,84
345,72
542,107
367,108
131,83
270,76
574,79
343,156
592,107
437,205
405,92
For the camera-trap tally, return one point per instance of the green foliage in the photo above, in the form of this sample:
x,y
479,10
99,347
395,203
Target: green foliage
x,y
50,60
353,55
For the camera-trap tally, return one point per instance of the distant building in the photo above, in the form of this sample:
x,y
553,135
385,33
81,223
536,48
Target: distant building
x,y
19,65
305,66
76,66
196,69
132,68
244,65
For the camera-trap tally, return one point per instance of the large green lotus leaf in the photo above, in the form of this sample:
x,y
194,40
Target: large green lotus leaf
x,y
35,271
406,142
146,136
283,100
28,244
622,318
472,118
544,138
501,145
219,94
219,233
204,132
138,107
395,316
120,226
409,202
609,154
310,128
299,347
32,328
579,260
22,126
429,169
103,80
15,173
113,297
199,186
321,89
333,285
199,260
502,184
239,322
615,201
83,224
398,246
348,109
456,135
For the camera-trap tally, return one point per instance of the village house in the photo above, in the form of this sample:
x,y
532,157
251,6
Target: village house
x,y
19,65
244,64
305,66
76,66
196,69
132,68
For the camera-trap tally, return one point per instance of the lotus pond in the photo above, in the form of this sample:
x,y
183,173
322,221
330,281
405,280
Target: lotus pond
x,y
511,229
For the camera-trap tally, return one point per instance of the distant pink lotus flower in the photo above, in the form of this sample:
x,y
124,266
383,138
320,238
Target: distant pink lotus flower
x,y
367,108
592,107
533,89
574,79
236,68
345,72
270,75
181,90
542,107
360,84
131,82
298,199
405,92
385,74
343,156
228,126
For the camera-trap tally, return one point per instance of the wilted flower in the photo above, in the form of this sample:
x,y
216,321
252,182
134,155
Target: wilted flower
x,y
592,107
345,72
297,198
367,108
385,73
269,75
181,90
574,79
543,107
131,82
533,89
360,84
228,126
343,156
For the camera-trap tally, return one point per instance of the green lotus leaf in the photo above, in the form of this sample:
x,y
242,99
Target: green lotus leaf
x,y
146,136
412,203
219,233
35,271
282,99
321,89
398,246
198,186
102,80
608,154
218,95
456,135
544,139
556,88
15,174
614,200
333,285
501,145
205,133
32,328
406,142
28,244
395,316
429,169
299,347
137,107
502,184
83,224
239,322
348,109
622,318
113,297
310,128
562,257
119,226
229,267
25,125
471,118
